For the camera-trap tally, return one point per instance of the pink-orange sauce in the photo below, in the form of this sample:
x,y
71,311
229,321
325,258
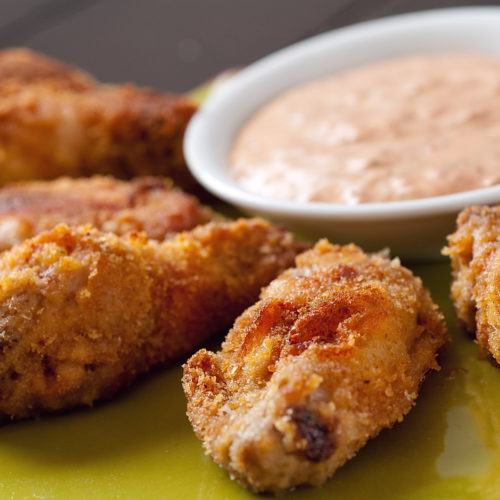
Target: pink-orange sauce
x,y
401,129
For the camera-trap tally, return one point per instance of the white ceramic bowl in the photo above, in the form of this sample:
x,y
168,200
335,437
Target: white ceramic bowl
x,y
414,229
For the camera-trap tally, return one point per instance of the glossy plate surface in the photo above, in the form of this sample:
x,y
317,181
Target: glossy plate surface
x,y
140,445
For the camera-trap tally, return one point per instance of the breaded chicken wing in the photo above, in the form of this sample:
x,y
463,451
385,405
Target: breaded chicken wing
x,y
333,352
149,204
82,313
60,123
475,257
22,66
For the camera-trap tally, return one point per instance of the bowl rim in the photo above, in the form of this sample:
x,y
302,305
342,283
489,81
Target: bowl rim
x,y
217,181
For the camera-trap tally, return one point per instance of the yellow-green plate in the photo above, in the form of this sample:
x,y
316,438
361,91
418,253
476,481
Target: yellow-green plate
x,y
140,445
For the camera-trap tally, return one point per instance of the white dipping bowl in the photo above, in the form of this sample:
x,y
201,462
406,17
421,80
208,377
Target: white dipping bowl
x,y
413,229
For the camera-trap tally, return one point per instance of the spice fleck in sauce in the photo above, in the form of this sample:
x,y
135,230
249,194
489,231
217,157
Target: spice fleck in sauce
x,y
401,129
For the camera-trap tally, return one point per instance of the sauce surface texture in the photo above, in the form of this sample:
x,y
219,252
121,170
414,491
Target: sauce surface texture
x,y
407,128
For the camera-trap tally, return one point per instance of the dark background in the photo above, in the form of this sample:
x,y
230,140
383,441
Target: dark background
x,y
178,44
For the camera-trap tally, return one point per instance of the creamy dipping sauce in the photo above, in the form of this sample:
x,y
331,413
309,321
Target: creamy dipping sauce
x,y
401,129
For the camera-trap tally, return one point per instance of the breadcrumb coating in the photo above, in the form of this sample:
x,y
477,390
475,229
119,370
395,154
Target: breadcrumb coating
x,y
23,66
149,204
56,121
82,312
474,250
334,351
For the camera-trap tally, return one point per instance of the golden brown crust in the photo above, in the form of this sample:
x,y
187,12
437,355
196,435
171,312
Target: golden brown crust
x,y
84,312
23,66
333,352
49,129
149,204
474,250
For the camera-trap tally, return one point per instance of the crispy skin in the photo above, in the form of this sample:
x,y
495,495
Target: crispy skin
x,y
146,204
333,352
50,127
22,66
83,313
474,250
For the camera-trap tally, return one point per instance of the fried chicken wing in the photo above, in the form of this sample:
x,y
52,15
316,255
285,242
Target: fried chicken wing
x,y
474,250
146,204
57,122
82,313
22,66
334,351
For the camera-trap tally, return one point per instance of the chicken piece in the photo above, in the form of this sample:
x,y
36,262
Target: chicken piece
x,y
52,124
149,204
82,313
474,250
333,352
22,66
